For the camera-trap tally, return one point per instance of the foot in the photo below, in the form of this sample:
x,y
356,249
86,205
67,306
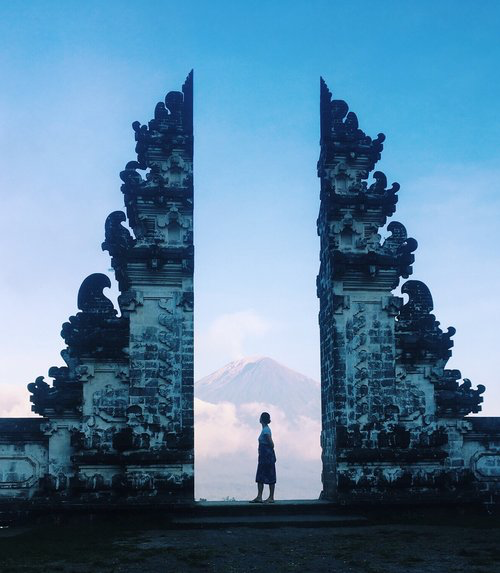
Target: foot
x,y
269,500
257,500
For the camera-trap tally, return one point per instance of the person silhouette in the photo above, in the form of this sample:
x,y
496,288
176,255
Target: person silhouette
x,y
266,467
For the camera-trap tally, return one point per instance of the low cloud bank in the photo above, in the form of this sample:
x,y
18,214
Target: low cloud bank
x,y
14,402
225,428
226,451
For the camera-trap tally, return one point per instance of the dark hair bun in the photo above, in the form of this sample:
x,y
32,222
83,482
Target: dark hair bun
x,y
265,417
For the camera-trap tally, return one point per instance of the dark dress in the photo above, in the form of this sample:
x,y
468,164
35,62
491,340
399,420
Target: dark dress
x,y
266,468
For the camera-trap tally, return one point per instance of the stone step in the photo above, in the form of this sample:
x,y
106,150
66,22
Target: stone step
x,y
266,521
291,513
208,512
289,506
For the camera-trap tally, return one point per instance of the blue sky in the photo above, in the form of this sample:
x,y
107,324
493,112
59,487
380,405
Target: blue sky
x,y
76,74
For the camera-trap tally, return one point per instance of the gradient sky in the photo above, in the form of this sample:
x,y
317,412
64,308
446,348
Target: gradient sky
x,y
76,74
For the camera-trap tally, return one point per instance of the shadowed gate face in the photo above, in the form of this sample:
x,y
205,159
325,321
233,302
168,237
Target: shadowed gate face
x,y
392,415
118,418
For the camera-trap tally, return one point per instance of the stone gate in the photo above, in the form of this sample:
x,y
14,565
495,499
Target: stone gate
x,y
118,418
116,423
395,425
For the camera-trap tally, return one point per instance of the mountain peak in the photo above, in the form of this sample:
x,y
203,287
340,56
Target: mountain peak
x,y
261,379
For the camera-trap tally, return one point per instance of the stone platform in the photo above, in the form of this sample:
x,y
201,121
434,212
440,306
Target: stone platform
x,y
294,513
196,515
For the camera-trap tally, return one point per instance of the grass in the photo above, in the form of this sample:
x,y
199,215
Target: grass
x,y
85,544
138,545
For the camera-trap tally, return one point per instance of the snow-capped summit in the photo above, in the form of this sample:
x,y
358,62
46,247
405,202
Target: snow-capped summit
x,y
262,379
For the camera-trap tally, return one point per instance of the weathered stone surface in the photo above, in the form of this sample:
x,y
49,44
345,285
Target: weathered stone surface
x,y
23,456
393,416
119,415
118,418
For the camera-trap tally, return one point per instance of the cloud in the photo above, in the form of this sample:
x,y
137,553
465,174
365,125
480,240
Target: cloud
x,y
14,402
226,339
225,428
295,438
219,431
226,451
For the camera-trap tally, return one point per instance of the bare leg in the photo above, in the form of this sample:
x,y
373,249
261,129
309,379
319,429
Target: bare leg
x,y
271,492
260,489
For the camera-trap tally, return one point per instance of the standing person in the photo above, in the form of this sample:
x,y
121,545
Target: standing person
x,y
266,468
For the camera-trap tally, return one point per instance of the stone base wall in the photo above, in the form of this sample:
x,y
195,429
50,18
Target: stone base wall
x,y
24,457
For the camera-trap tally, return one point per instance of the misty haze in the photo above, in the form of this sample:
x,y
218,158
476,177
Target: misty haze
x,y
228,404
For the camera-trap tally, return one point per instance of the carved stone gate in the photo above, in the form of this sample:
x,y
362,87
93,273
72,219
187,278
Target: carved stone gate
x,y
394,418
117,421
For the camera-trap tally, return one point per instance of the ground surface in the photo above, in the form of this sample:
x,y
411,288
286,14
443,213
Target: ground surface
x,y
432,543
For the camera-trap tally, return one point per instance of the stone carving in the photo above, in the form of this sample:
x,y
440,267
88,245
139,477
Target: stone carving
x,y
130,300
380,185
96,331
18,472
64,395
340,133
40,391
389,404
124,401
118,238
84,373
118,423
118,241
418,330
486,465
399,244
160,382
110,403
455,400
91,298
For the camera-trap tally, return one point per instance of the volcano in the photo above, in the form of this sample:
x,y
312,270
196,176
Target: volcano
x,y
263,380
